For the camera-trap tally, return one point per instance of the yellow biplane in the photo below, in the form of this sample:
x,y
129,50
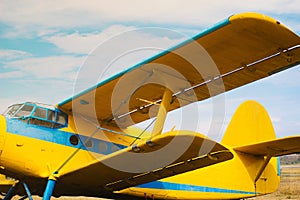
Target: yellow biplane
x,y
85,146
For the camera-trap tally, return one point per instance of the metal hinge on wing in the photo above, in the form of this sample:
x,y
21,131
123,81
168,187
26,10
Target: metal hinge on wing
x,y
250,66
170,170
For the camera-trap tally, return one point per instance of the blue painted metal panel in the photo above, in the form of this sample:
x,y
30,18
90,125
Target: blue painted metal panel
x,y
278,167
186,187
57,136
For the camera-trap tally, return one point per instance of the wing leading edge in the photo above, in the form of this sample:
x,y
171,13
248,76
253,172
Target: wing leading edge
x,y
242,49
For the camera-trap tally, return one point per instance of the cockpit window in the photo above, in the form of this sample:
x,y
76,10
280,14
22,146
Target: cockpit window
x,y
24,111
12,109
51,115
38,114
62,118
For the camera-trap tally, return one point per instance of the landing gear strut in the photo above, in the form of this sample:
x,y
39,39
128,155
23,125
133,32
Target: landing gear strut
x,y
49,188
12,191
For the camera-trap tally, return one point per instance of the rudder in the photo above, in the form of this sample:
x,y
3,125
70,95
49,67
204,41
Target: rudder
x,y
250,124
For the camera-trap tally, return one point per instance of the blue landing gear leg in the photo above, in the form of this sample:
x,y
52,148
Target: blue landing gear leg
x,y
11,192
27,191
49,188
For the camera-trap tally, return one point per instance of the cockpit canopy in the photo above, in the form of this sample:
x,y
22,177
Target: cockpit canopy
x,y
38,114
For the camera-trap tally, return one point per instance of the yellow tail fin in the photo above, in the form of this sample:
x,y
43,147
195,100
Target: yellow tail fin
x,y
249,131
249,125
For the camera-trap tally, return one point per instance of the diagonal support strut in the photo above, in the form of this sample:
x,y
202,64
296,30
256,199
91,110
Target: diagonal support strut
x,y
162,112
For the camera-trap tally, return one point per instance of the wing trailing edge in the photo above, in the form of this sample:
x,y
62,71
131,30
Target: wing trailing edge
x,y
273,148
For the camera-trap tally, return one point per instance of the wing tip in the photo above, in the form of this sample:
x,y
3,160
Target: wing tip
x,y
256,16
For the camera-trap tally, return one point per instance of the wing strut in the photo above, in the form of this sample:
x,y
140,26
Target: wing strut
x,y
162,112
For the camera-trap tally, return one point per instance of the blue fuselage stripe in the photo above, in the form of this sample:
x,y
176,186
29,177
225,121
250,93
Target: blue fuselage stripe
x,y
57,136
186,187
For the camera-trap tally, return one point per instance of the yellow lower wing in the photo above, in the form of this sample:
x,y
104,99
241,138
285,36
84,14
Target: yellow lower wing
x,y
6,183
163,156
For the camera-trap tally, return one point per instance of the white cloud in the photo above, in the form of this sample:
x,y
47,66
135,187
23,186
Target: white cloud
x,y
276,119
123,51
13,54
76,13
11,74
5,102
61,71
44,91
84,43
59,67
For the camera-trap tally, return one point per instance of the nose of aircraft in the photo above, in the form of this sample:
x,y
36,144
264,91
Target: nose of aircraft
x,y
2,132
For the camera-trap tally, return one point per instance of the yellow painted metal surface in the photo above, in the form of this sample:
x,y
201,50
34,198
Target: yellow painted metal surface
x,y
236,49
233,51
234,178
249,125
162,113
40,158
6,183
277,147
227,180
151,160
2,134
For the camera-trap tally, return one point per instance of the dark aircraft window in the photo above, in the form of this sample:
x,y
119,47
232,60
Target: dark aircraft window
x,y
40,113
48,118
62,118
39,118
74,140
51,115
41,122
102,146
88,143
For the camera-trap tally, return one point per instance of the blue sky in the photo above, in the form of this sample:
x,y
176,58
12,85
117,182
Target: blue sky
x,y
44,44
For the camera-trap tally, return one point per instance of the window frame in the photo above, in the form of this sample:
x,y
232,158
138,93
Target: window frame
x,y
37,119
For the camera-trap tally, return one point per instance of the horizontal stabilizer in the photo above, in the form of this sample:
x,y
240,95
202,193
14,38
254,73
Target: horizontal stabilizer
x,y
163,156
277,147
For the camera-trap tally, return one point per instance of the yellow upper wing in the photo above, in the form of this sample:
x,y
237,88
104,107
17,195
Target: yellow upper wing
x,y
242,49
